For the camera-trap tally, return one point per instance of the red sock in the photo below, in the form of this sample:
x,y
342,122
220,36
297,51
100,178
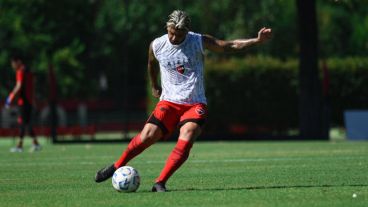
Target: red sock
x,y
134,148
177,157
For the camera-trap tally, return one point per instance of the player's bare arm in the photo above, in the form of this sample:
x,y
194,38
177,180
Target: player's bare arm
x,y
238,45
153,70
17,88
14,92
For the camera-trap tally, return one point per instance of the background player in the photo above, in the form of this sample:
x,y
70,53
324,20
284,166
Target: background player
x,y
24,89
178,57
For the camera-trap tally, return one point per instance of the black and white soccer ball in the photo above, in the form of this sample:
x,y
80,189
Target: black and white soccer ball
x,y
126,179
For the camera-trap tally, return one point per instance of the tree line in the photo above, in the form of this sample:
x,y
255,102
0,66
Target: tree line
x,y
89,39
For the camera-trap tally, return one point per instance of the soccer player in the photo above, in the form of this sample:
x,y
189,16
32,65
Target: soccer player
x,y
178,57
24,89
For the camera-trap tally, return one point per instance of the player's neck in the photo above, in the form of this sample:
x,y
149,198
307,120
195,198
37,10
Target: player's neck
x,y
178,44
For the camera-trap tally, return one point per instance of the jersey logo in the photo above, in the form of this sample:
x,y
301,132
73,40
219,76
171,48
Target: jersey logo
x,y
180,69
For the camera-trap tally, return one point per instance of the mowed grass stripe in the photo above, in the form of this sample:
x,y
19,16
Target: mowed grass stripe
x,y
216,174
75,160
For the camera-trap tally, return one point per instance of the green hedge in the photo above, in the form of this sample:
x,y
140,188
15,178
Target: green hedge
x,y
348,85
261,93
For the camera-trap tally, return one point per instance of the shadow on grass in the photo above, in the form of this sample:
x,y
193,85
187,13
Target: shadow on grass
x,y
267,187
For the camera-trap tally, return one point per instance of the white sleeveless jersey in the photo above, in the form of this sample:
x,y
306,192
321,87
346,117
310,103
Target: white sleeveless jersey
x,y
181,69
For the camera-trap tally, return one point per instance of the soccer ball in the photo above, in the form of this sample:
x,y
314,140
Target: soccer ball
x,y
126,179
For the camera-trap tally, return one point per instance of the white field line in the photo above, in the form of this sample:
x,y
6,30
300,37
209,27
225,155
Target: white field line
x,y
53,162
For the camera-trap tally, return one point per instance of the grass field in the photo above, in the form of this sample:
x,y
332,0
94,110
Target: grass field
x,y
216,174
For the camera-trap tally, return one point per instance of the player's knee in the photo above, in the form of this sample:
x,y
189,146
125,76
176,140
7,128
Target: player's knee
x,y
146,136
150,134
190,132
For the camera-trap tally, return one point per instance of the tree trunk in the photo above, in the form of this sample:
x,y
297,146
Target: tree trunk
x,y
310,100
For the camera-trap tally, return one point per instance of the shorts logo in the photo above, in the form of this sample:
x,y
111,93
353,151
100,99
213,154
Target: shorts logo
x,y
200,111
180,69
163,109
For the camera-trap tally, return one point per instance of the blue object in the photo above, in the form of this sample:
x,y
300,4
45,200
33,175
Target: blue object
x,y
8,102
356,124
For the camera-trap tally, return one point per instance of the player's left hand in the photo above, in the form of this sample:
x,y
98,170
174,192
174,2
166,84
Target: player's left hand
x,y
264,34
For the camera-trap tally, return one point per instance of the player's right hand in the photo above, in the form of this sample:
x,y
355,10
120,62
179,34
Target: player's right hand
x,y
156,92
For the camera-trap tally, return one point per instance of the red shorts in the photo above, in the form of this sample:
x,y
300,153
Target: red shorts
x,y
168,115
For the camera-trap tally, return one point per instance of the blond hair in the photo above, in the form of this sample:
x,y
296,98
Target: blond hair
x,y
179,20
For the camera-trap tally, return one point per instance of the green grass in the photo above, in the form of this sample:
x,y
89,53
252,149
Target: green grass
x,y
216,174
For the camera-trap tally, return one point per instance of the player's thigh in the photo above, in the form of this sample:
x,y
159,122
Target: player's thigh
x,y
165,116
190,131
27,114
197,113
23,115
191,122
151,133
